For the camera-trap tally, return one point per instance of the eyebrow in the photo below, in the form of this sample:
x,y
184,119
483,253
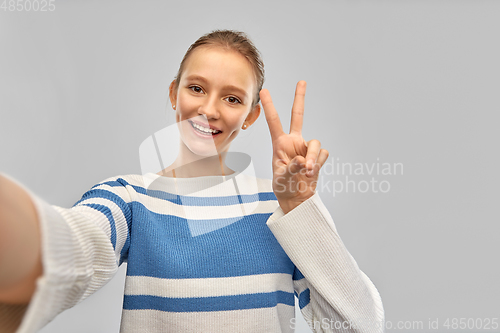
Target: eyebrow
x,y
226,87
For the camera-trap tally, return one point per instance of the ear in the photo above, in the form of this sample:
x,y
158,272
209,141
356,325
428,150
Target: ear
x,y
253,115
172,93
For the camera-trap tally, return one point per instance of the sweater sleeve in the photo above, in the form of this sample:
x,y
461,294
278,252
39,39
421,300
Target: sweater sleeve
x,y
82,248
334,294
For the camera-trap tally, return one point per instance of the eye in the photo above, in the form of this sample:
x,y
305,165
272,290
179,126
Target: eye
x,y
233,100
196,89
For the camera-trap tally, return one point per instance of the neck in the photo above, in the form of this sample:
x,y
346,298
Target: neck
x,y
188,165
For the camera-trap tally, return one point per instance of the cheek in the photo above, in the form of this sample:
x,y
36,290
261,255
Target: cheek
x,y
235,120
186,104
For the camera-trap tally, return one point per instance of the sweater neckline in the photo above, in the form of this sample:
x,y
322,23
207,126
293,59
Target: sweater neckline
x,y
207,185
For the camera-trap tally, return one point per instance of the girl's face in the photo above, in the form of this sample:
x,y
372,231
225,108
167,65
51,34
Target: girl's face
x,y
216,91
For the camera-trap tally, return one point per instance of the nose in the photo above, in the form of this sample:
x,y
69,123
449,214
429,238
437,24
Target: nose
x,y
209,108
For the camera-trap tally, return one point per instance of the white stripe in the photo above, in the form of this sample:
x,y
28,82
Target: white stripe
x,y
246,184
161,206
208,287
300,285
269,320
120,191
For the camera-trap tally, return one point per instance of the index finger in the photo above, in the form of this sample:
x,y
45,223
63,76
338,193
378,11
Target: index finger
x,y
273,120
298,108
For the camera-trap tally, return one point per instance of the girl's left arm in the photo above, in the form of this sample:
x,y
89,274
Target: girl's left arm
x,y
334,294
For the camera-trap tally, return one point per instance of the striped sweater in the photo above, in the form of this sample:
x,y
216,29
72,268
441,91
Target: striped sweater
x,y
204,254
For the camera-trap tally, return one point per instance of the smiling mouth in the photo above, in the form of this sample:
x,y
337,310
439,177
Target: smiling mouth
x,y
203,130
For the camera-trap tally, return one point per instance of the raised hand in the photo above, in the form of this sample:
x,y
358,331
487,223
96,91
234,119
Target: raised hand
x,y
296,163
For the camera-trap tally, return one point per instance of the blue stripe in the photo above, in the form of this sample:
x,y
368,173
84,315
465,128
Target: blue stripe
x,y
164,247
202,304
105,194
304,298
124,207
187,200
195,201
107,212
297,275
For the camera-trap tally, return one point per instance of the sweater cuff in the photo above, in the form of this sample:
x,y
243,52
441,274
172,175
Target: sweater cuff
x,y
309,237
306,213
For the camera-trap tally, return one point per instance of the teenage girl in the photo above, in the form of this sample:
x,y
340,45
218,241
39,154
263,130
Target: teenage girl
x,y
208,248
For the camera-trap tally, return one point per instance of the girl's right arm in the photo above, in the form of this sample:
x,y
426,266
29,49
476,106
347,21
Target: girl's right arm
x,y
52,258
20,244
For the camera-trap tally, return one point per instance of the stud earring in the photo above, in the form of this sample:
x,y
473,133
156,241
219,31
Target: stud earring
x,y
173,106
244,126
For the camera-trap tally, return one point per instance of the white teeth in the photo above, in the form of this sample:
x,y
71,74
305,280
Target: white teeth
x,y
204,129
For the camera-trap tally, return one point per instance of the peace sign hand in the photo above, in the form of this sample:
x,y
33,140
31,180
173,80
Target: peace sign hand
x,y
296,163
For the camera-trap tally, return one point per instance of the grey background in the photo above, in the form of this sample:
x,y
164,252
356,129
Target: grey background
x,y
411,82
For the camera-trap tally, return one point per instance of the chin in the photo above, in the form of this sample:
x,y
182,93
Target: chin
x,y
204,148
203,152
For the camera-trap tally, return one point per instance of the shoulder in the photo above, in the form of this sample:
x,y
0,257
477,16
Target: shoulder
x,y
132,180
251,185
264,185
123,186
